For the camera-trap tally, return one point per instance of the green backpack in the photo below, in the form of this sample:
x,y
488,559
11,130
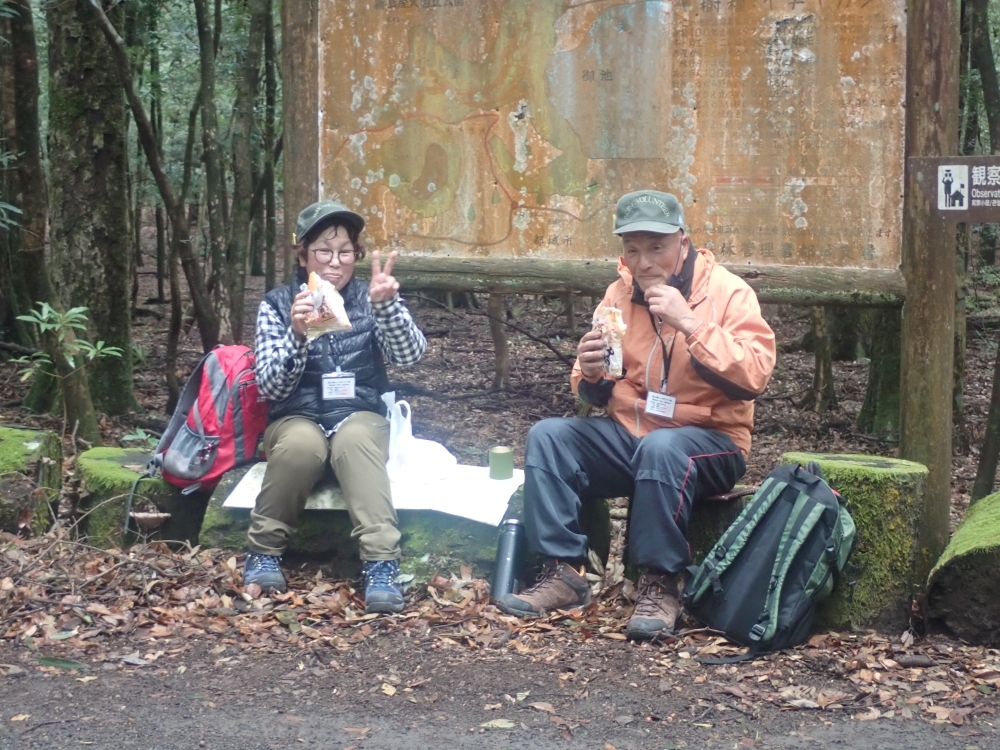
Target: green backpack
x,y
761,581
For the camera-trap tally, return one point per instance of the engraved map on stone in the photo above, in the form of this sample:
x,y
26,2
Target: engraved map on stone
x,y
509,128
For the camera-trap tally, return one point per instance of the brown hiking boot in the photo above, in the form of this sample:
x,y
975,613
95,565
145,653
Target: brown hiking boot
x,y
657,608
558,587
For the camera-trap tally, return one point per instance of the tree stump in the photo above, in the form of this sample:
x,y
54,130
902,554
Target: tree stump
x,y
30,479
963,590
885,496
108,474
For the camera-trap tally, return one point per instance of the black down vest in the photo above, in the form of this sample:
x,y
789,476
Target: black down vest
x,y
354,351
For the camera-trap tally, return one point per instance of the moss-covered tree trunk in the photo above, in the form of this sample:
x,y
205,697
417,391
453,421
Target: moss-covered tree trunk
x,y
963,590
78,406
88,165
880,410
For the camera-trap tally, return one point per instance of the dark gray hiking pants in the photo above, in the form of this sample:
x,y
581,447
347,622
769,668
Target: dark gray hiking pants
x,y
569,462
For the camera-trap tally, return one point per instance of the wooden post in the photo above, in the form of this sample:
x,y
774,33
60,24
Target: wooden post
x,y
928,260
300,105
501,376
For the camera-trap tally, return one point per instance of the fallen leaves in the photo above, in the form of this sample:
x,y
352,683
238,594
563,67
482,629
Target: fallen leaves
x,y
162,598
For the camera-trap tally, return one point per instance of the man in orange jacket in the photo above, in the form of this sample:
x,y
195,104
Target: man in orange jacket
x,y
695,354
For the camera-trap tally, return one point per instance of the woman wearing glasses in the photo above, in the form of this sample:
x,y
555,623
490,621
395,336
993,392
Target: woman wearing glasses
x,y
324,405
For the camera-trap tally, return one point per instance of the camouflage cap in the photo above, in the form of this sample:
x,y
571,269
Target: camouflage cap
x,y
648,211
321,212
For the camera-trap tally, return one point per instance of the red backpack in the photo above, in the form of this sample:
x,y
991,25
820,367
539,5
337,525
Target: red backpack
x,y
217,424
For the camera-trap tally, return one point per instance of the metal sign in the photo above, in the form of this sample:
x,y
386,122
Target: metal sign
x,y
961,189
507,129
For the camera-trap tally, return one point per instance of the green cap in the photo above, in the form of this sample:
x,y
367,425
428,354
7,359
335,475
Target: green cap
x,y
648,211
320,212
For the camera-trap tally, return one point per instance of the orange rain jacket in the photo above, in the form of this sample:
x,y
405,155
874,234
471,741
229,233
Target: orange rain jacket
x,y
715,373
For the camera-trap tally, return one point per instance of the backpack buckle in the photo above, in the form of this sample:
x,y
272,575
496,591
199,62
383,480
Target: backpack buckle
x,y
757,632
720,552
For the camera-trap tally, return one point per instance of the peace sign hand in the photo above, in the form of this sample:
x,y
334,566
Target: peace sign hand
x,y
383,286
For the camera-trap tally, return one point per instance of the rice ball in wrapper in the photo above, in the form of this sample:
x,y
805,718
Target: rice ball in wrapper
x,y
608,321
329,313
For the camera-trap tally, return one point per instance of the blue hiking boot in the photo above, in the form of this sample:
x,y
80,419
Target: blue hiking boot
x,y
382,593
265,571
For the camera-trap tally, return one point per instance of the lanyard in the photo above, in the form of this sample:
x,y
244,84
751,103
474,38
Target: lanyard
x,y
667,356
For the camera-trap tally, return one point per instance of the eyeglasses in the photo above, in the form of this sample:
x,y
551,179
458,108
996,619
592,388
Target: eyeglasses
x,y
323,255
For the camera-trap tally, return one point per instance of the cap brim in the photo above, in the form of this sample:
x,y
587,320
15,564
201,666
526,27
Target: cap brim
x,y
648,226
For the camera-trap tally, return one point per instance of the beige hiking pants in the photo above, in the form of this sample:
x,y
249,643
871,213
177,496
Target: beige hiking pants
x,y
298,452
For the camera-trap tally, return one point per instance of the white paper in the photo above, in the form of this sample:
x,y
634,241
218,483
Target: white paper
x,y
465,491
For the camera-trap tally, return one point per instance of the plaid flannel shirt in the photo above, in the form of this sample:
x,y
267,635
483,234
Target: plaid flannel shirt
x,y
281,356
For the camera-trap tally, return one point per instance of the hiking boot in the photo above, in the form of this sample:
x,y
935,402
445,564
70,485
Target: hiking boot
x,y
657,608
382,593
558,587
265,571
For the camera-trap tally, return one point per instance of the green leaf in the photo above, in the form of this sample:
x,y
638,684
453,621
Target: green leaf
x,y
60,663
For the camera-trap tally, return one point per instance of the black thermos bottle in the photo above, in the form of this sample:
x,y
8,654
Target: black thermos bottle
x,y
505,573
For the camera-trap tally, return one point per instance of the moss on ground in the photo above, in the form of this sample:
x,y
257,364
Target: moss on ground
x,y
30,460
885,497
963,589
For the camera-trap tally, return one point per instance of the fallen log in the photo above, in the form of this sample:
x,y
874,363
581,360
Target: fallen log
x,y
963,589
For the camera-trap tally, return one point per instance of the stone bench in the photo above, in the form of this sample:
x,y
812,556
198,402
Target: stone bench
x,y
431,539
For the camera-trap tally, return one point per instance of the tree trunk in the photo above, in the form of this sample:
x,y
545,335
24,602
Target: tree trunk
x,y
822,396
844,327
77,404
13,300
501,376
88,165
242,217
986,472
208,323
214,174
982,59
879,413
961,294
270,105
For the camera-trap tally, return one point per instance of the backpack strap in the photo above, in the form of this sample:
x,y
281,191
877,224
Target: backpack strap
x,y
805,513
188,398
731,543
131,497
749,655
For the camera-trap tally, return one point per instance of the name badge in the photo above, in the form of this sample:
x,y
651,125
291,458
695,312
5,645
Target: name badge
x,y
660,404
338,385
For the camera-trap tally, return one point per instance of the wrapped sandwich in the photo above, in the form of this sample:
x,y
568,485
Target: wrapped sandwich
x,y
328,313
608,321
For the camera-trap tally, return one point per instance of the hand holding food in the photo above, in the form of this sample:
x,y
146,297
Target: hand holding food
x,y
328,313
608,322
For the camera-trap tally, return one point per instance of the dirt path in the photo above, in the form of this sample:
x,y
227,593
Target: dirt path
x,y
396,691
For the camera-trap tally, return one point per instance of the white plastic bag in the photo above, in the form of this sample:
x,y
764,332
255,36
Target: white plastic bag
x,y
409,457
